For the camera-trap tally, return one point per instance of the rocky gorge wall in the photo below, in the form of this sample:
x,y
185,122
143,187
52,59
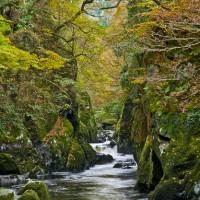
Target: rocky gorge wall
x,y
47,121
168,160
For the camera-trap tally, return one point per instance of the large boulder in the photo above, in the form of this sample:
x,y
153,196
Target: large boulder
x,y
103,158
8,165
37,187
125,164
167,190
76,159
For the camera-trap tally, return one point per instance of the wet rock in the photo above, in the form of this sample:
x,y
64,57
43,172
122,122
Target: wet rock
x,y
125,164
118,165
100,140
36,171
6,194
167,190
113,143
8,165
103,158
197,189
39,187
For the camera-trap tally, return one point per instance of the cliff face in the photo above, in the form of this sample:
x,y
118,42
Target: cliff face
x,y
46,120
161,120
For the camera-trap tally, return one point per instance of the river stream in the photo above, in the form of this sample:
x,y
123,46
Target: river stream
x,y
102,182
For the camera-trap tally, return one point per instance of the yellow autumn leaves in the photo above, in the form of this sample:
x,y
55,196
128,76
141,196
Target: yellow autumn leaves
x,y
14,58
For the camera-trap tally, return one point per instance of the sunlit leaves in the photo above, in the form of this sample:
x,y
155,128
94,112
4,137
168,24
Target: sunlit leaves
x,y
51,61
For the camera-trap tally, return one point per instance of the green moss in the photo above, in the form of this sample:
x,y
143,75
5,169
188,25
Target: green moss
x,y
89,152
59,140
6,194
193,175
167,190
29,195
8,165
125,126
180,159
88,127
34,171
39,187
76,159
145,166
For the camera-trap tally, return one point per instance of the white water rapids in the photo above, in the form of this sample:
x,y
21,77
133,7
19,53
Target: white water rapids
x,y
102,182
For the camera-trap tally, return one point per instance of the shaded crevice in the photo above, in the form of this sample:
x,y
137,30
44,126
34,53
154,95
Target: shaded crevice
x,y
157,169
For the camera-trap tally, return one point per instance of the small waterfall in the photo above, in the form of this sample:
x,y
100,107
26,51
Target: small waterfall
x,y
104,147
108,145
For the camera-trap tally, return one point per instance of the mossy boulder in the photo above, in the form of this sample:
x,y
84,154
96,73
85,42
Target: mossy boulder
x,y
35,171
178,158
76,160
171,189
22,150
150,169
29,195
8,165
59,141
89,152
145,166
6,194
38,187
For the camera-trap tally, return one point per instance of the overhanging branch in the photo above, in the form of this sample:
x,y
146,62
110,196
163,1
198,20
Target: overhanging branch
x,y
76,15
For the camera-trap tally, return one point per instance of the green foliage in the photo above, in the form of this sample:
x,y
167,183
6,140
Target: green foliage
x,y
109,111
4,25
28,11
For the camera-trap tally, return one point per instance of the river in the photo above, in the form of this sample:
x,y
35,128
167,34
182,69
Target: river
x,y
102,182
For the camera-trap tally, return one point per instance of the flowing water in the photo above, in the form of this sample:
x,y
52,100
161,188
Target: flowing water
x,y
102,182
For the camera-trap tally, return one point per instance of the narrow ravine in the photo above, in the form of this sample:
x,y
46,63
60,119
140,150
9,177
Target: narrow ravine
x,y
101,182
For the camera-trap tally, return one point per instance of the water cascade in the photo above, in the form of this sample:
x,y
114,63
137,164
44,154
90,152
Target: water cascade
x,y
114,180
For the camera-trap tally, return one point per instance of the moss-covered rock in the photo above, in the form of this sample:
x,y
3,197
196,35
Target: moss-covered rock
x,y
139,129
124,128
145,166
6,194
8,165
29,195
178,158
35,171
59,141
88,127
89,152
167,190
76,159
22,149
38,187
150,169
